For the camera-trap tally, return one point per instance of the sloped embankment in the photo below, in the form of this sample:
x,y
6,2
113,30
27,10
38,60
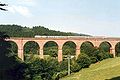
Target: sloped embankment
x,y
104,70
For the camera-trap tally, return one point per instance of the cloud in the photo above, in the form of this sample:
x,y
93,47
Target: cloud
x,y
20,9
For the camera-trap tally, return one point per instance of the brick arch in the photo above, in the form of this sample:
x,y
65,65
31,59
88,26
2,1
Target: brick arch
x,y
48,42
20,47
116,47
15,44
106,42
88,42
117,43
68,42
109,43
24,42
31,41
51,41
112,43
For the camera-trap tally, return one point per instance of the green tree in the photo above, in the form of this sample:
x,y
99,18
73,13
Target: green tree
x,y
51,48
43,69
11,67
117,49
87,48
69,48
105,46
83,60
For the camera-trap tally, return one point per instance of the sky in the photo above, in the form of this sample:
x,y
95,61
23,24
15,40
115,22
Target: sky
x,y
93,17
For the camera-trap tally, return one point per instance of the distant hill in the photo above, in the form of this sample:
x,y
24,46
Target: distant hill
x,y
20,31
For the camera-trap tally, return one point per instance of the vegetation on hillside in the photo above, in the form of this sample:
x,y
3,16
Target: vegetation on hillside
x,y
19,31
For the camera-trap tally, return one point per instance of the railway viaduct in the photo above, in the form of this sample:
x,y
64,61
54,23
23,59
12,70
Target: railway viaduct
x,y
61,40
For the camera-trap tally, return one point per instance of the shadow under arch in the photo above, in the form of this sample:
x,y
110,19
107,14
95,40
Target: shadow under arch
x,y
105,46
86,46
117,49
14,47
50,48
30,48
69,47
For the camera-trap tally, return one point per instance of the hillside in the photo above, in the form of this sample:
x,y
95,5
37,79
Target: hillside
x,y
20,31
108,69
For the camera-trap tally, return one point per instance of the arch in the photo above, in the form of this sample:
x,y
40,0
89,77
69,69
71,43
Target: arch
x,y
87,47
30,48
14,47
117,49
69,47
88,42
105,46
50,48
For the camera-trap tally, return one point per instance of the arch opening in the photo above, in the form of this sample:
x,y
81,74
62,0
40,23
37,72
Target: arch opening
x,y
50,49
31,49
69,48
14,48
117,49
87,47
105,46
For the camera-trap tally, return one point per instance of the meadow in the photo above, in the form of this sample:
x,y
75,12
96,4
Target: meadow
x,y
108,69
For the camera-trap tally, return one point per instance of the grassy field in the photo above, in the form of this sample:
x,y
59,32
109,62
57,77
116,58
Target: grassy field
x,y
108,69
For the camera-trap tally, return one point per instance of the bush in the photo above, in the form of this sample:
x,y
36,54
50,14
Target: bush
x,y
104,55
59,75
63,65
83,60
74,66
37,77
94,59
43,69
55,76
63,73
118,54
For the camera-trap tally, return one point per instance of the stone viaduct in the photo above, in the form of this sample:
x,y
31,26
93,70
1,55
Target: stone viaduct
x,y
61,40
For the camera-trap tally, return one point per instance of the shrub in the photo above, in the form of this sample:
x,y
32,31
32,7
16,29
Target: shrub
x,y
94,59
63,73
104,55
74,66
37,77
63,65
83,60
118,54
42,68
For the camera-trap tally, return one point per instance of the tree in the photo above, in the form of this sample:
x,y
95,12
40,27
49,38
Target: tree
x,y
87,48
1,7
83,60
42,69
11,68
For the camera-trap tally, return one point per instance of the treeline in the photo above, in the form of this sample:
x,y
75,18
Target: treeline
x,y
20,31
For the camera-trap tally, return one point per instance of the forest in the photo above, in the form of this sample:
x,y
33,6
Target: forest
x,y
20,31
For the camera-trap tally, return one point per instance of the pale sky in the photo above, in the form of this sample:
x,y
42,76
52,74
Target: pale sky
x,y
93,17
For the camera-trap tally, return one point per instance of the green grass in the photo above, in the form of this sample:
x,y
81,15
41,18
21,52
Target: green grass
x,y
103,70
